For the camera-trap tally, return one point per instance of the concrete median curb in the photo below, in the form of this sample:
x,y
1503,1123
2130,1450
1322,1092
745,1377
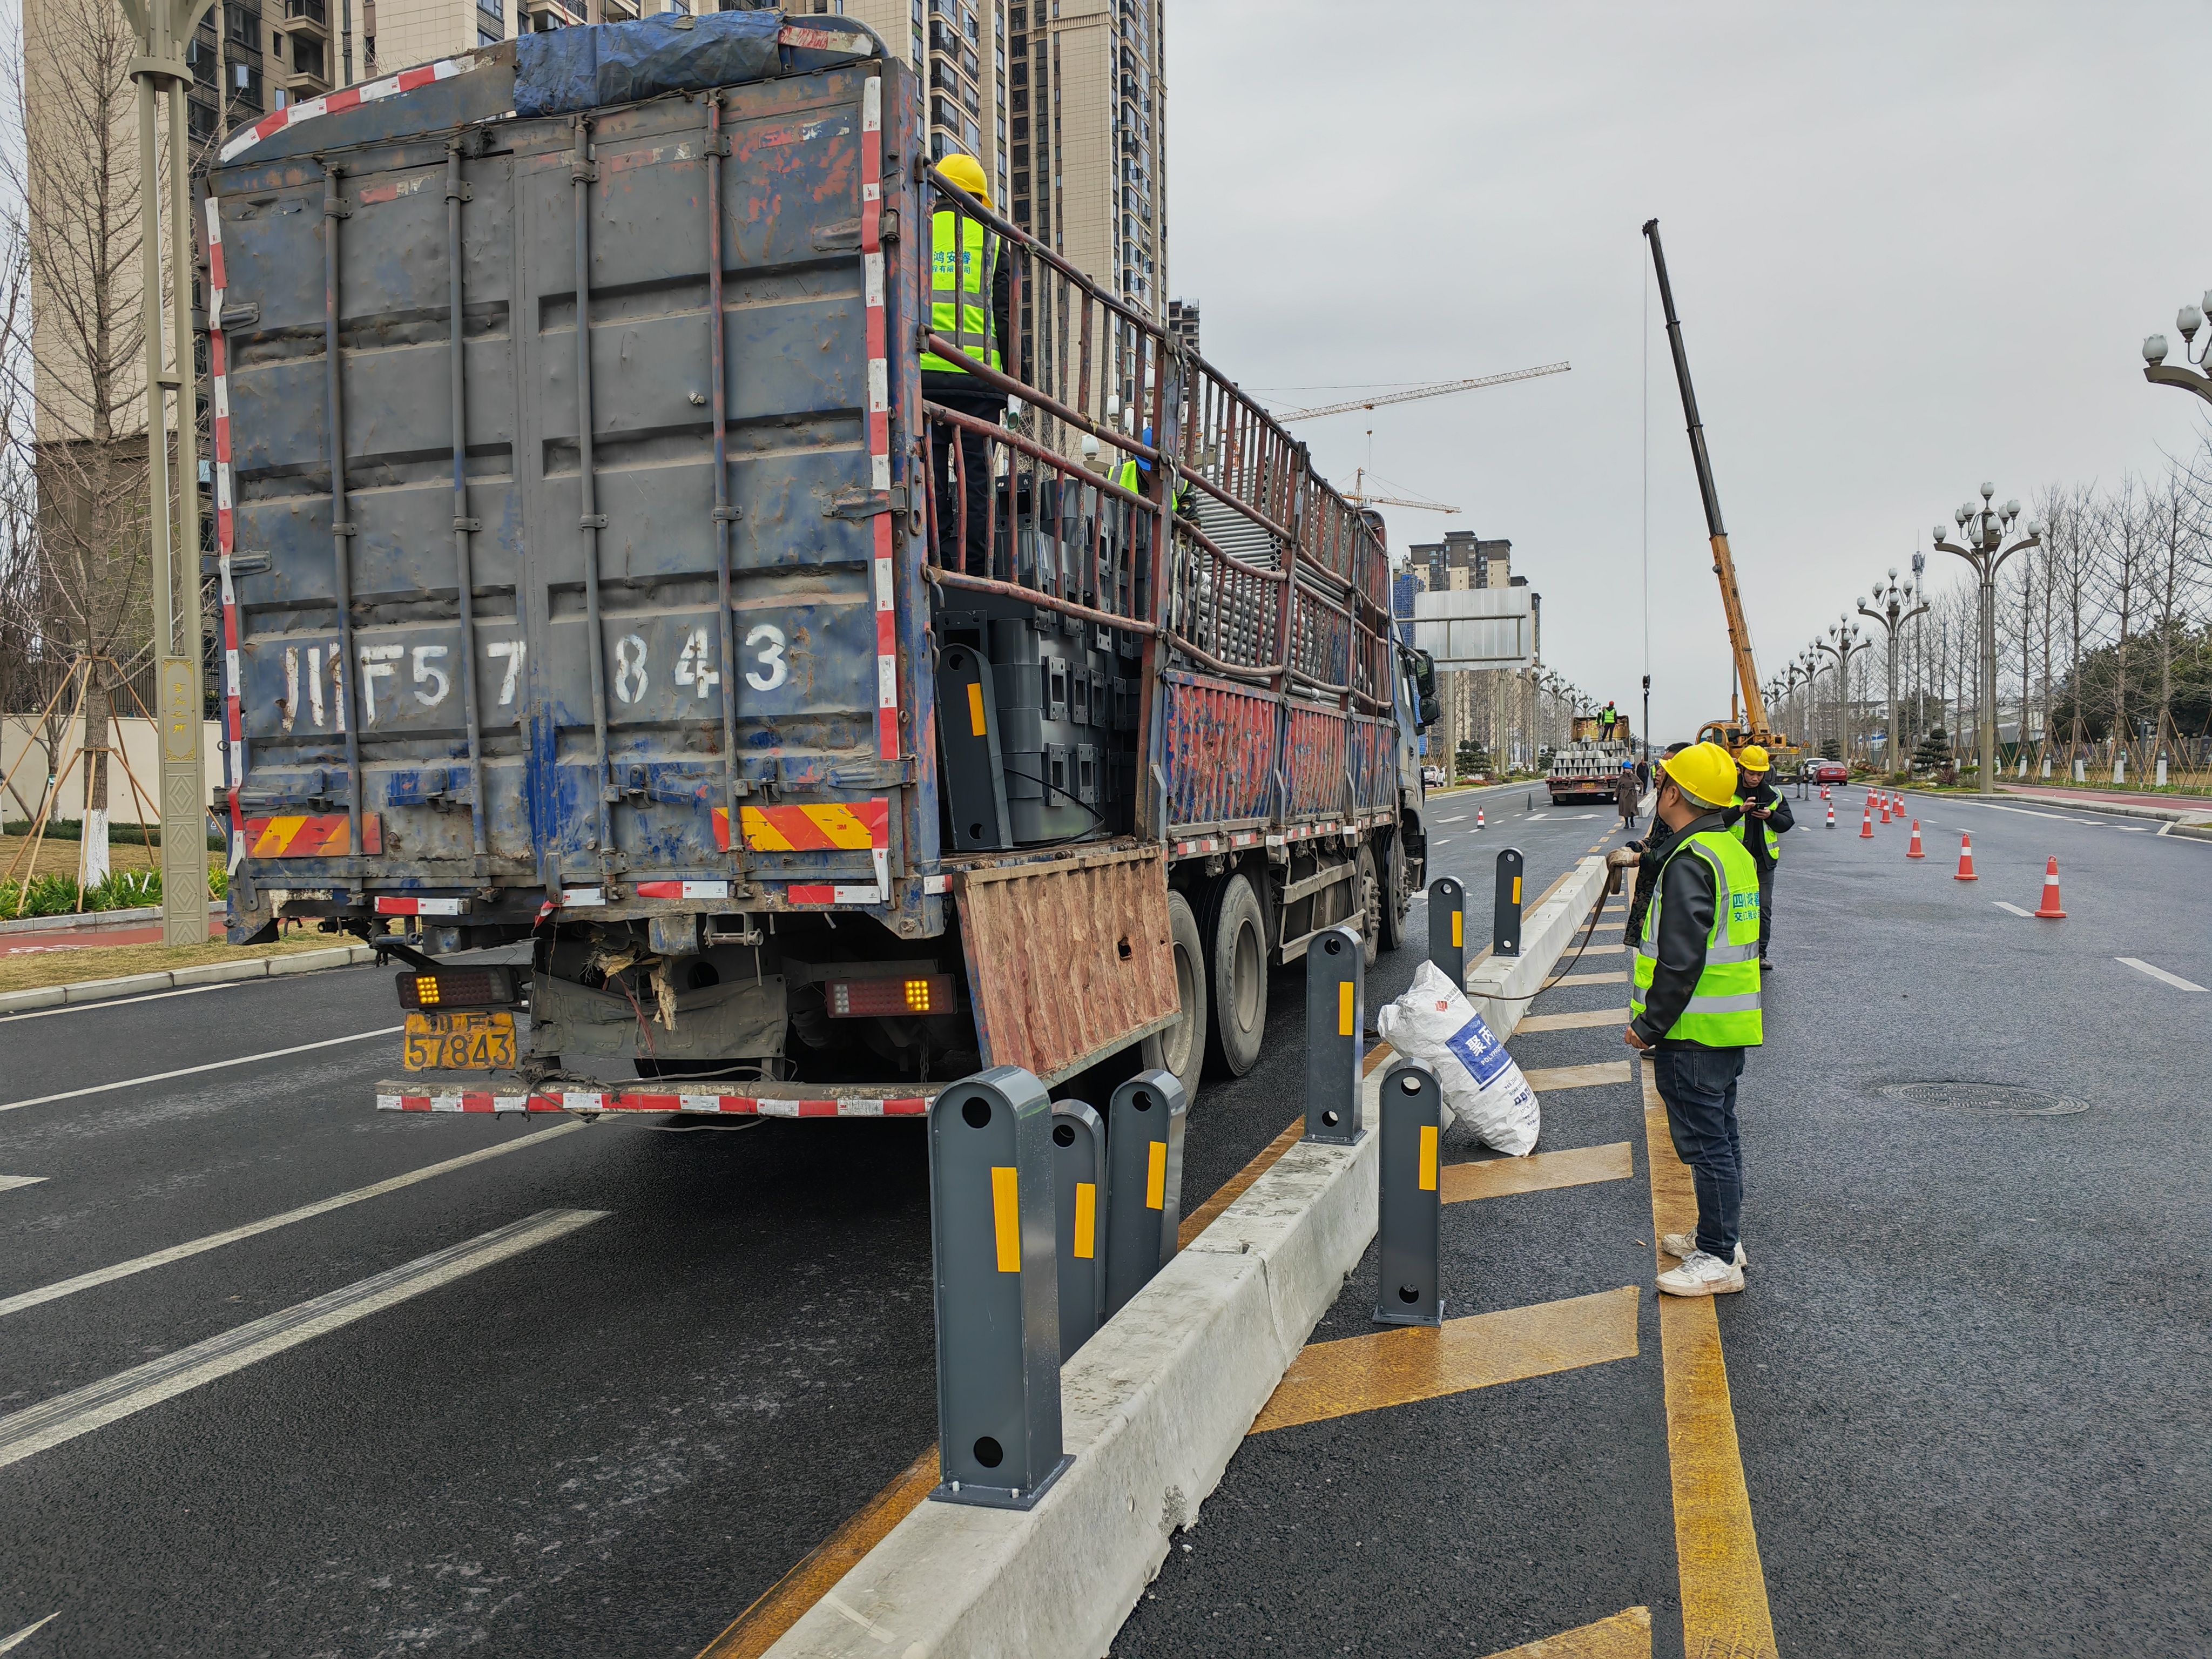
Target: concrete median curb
x,y
170,979
1154,1406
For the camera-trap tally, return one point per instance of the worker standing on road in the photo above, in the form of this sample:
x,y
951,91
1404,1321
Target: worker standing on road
x,y
1766,817
1627,792
970,296
1695,1006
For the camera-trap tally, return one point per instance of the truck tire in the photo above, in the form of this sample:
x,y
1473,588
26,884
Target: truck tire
x,y
1369,895
1397,893
1237,955
1182,1045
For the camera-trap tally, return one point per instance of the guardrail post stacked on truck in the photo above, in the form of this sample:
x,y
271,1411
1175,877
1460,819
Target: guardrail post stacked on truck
x,y
1144,1182
1505,924
1409,1207
997,1302
1448,928
1336,1018
1079,1181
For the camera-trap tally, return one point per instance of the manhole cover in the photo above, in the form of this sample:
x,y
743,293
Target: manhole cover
x,y
1985,1097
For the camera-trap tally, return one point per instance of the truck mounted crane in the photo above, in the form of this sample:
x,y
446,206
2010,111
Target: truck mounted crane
x,y
1746,719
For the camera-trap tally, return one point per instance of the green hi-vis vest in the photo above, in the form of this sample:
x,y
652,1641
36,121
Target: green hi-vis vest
x,y
1724,1011
960,291
1745,826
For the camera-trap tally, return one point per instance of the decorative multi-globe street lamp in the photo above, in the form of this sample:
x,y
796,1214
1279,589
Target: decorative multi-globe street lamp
x,y
1843,638
2188,319
1984,530
1892,607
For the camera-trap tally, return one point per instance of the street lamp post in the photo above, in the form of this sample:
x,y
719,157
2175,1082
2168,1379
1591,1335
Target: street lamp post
x,y
1842,641
1984,530
1890,603
1807,664
2188,319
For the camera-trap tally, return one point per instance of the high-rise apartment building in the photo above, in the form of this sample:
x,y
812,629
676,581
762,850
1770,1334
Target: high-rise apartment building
x,y
960,47
1461,560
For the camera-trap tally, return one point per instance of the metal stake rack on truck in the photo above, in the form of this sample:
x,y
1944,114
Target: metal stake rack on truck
x,y
1589,767
584,583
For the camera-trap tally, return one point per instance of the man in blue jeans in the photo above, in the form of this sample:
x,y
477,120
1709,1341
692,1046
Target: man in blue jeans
x,y
1696,1006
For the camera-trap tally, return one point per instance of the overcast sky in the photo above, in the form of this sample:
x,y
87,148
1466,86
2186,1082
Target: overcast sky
x,y
1912,247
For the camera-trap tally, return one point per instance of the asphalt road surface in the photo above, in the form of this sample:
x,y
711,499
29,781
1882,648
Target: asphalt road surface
x,y
1970,1369
590,1390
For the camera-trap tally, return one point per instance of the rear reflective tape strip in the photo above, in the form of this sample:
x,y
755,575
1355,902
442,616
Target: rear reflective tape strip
x,y
1156,1177
683,890
833,826
332,103
583,897
226,532
880,408
1086,1221
1006,1217
798,893
388,906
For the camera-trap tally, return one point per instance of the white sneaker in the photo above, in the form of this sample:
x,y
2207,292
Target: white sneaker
x,y
1681,1244
1701,1275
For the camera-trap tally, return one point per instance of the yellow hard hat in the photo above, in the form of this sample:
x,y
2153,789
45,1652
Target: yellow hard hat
x,y
1753,758
1704,771
967,172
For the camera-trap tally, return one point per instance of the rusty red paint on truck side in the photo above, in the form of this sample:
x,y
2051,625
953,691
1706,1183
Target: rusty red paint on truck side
x,y
1313,754
1220,751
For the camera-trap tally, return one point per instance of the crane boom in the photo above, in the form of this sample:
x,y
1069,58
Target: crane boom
x,y
1401,501
1438,389
1746,671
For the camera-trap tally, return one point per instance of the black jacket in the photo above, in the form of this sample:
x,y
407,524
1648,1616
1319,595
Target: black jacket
x,y
1686,922
1782,823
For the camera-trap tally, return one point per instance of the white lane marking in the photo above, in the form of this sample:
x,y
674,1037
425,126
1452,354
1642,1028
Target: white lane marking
x,y
38,1428
2174,980
1533,816
9,1183
2015,908
16,1640
140,1264
120,1002
1462,818
191,1071
2134,828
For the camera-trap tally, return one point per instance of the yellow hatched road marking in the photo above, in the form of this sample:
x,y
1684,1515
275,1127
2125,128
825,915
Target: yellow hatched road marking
x,y
1591,979
1625,1635
1577,1077
1574,1022
1539,1172
1418,1362
1724,1608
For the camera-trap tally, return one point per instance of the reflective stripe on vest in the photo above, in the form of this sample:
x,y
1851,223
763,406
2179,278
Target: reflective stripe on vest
x,y
1724,1011
958,310
1773,835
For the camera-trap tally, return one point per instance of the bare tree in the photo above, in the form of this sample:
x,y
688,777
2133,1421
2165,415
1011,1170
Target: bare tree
x,y
2177,554
76,175
2126,548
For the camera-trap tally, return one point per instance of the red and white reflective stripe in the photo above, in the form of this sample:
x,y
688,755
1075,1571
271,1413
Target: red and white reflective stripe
x,y
1244,838
729,1105
331,103
226,535
682,889
388,906
937,884
1203,844
798,893
879,407
580,898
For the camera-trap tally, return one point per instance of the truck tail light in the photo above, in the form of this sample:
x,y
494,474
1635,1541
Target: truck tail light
x,y
867,999
457,987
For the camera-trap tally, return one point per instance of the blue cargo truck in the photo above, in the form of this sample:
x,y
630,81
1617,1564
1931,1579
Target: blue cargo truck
x,y
598,572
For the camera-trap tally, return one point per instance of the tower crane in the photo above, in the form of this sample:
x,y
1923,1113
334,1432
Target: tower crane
x,y
1358,493
1430,389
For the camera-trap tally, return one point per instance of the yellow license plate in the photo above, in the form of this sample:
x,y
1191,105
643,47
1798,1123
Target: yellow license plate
x,y
459,1042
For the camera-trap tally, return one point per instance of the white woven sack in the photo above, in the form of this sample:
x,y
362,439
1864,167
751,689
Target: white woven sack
x,y
1435,1024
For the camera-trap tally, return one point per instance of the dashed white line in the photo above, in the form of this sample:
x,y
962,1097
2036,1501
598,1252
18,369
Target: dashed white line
x,y
191,1071
1462,818
38,1428
120,1002
2174,980
9,1183
28,1630
2015,908
139,1264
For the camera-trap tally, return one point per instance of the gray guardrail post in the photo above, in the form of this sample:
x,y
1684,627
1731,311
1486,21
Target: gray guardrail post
x,y
1144,1182
1336,1020
1409,1209
991,1225
1448,929
1505,926
1078,1183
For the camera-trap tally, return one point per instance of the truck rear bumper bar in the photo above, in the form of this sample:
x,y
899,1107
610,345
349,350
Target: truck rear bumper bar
x,y
401,1097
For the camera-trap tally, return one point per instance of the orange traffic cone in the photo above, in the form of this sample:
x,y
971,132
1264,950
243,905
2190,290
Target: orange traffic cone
x,y
1913,851
1885,809
1896,804
1826,793
1831,815
1478,817
1866,824
2051,910
1966,860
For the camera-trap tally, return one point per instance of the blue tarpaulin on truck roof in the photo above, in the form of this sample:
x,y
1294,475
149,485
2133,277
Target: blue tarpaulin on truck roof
x,y
602,63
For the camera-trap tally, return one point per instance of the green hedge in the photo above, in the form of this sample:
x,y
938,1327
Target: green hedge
x,y
122,889
119,835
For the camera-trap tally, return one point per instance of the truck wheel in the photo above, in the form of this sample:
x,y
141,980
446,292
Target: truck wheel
x,y
1237,998
1370,906
1182,1045
1397,894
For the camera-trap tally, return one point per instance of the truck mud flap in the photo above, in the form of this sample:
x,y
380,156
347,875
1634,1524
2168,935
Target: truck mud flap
x,y
1068,961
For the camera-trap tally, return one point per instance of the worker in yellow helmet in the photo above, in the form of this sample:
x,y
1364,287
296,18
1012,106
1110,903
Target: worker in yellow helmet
x,y
1763,817
969,300
1695,1004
